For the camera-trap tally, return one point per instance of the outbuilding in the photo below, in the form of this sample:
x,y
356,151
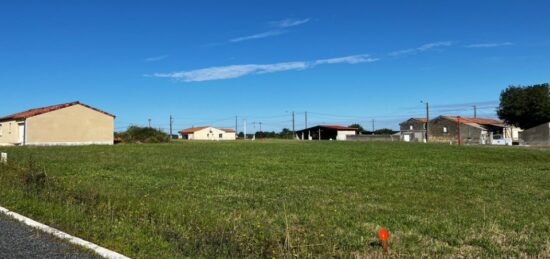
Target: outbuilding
x,y
207,133
413,130
71,123
326,132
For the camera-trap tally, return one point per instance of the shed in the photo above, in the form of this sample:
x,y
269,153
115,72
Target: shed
x,y
326,132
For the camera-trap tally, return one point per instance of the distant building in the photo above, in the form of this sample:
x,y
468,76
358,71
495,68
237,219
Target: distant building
x,y
536,136
413,129
72,123
451,129
326,132
208,133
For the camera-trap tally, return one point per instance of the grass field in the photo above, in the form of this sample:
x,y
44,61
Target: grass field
x,y
286,199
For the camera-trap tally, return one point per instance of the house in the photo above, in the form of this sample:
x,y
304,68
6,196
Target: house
x,y
71,123
413,129
536,136
207,133
466,130
326,132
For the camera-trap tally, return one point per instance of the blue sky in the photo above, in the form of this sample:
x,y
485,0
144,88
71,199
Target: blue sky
x,y
205,62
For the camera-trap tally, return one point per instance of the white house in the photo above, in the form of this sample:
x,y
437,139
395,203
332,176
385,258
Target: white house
x,y
207,133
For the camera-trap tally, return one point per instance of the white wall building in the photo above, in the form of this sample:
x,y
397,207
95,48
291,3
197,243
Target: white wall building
x,y
207,133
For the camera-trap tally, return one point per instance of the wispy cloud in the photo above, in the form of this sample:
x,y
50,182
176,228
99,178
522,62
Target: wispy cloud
x,y
490,45
157,58
234,71
279,28
425,47
258,35
286,23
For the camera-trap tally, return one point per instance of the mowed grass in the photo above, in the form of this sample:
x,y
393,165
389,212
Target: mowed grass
x,y
290,198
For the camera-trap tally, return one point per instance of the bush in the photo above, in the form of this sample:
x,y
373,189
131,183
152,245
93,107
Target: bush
x,y
136,134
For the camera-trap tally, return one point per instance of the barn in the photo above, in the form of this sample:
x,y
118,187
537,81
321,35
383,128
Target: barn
x,y
71,123
326,132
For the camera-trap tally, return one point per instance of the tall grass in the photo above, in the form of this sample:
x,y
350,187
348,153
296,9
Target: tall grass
x,y
286,198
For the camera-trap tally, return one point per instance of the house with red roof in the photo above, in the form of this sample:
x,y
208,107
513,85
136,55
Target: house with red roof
x,y
207,133
326,132
468,130
71,123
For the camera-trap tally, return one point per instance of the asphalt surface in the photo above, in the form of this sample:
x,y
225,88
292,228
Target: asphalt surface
x,y
21,241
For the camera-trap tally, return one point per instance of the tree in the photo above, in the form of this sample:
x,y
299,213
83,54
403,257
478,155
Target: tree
x,y
384,131
525,106
357,126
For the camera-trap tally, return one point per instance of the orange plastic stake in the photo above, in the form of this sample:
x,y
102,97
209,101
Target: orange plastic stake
x,y
383,235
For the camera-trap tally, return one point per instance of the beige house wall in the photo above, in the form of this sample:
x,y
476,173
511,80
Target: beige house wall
x,y
212,133
342,134
73,125
9,132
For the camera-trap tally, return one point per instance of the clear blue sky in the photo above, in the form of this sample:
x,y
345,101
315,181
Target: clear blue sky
x,y
205,62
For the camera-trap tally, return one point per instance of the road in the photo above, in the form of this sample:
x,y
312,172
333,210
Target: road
x,y
20,241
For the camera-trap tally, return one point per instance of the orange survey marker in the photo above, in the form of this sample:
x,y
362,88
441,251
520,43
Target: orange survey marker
x,y
383,235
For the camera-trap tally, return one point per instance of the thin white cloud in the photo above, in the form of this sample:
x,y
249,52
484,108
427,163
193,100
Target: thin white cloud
x,y
425,47
490,45
157,58
286,23
258,36
234,71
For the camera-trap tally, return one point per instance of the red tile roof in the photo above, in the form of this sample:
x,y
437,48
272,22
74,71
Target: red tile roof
x,y
192,130
228,129
475,120
337,127
420,119
42,110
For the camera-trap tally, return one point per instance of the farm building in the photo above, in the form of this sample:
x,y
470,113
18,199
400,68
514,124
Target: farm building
x,y
326,132
208,133
465,130
413,129
536,136
72,123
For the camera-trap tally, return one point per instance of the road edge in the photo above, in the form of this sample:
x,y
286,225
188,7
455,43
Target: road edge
x,y
101,251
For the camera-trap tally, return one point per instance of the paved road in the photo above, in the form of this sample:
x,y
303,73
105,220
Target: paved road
x,y
20,241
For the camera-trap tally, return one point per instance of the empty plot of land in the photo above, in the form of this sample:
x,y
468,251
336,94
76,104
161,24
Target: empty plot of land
x,y
285,198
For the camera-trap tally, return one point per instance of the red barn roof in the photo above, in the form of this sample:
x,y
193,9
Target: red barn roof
x,y
37,111
482,121
337,127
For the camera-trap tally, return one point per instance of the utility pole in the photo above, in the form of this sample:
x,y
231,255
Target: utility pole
x,y
475,111
260,126
458,128
427,120
171,120
244,127
306,127
372,126
293,130
149,122
236,127
306,121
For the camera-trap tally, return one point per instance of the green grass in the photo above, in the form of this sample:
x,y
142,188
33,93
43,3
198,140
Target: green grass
x,y
285,198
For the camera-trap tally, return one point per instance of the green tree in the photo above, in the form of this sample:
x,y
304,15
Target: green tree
x,y
525,106
357,126
384,131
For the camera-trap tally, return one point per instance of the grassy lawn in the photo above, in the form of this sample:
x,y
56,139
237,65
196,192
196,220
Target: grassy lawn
x,y
284,198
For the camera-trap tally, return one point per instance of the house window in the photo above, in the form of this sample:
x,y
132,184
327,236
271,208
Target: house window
x,y
411,127
221,135
445,130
